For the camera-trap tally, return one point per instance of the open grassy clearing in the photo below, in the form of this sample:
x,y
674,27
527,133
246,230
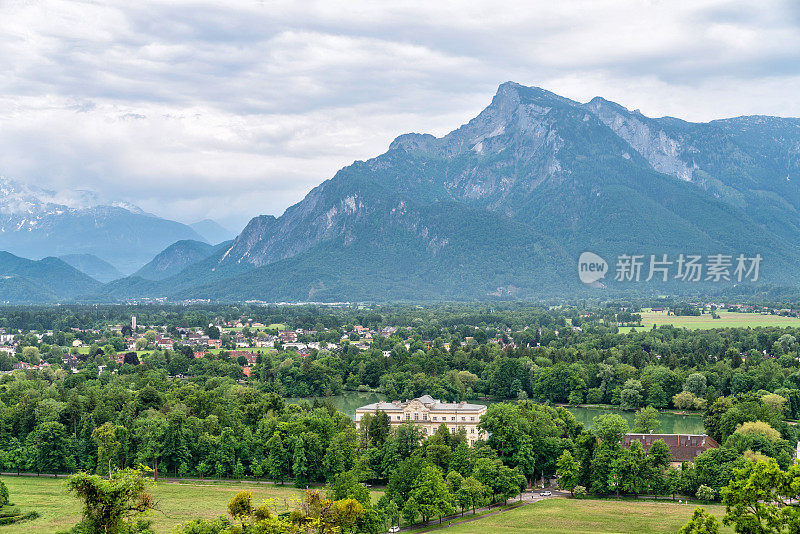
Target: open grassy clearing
x,y
178,502
704,322
557,516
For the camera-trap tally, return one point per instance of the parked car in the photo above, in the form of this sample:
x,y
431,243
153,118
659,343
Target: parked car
x,y
545,494
394,529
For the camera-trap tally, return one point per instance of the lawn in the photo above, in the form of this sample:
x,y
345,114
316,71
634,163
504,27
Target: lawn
x,y
178,502
704,322
556,516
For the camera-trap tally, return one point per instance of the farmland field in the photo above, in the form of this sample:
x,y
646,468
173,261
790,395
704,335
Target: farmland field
x,y
567,516
177,503
726,320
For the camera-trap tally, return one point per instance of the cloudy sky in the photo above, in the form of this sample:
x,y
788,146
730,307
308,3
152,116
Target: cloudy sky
x,y
228,109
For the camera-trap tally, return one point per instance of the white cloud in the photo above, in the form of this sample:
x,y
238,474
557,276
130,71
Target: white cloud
x,y
227,109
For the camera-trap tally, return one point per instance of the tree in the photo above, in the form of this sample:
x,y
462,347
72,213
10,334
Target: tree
x,y
410,511
701,523
392,513
672,480
646,420
610,427
776,402
238,470
51,447
108,447
300,466
756,498
431,494
630,399
568,471
686,400
109,504
759,428
696,384
31,355
631,469
150,433
277,458
378,428
454,481
472,492
659,454
657,398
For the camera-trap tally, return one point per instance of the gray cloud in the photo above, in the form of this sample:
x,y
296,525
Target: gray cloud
x,y
230,109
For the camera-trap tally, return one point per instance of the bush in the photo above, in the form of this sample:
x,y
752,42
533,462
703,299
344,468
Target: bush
x,y
705,493
579,492
3,494
701,523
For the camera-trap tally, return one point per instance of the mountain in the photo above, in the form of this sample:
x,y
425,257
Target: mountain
x,y
504,205
36,223
93,266
174,259
212,231
24,281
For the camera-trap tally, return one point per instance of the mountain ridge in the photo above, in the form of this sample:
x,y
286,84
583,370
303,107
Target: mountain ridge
x,y
503,205
35,223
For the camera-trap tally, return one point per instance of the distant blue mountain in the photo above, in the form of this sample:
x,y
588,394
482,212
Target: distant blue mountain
x,y
212,231
24,281
35,223
174,259
93,266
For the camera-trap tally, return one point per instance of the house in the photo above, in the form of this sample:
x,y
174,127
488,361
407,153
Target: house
x,y
249,356
683,447
429,413
287,336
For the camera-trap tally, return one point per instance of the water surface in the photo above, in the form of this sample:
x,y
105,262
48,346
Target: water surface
x,y
670,423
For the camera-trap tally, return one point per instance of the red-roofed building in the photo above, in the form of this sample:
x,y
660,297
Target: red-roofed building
x,y
683,447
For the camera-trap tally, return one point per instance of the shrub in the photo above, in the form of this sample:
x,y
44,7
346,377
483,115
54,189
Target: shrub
x,y
701,523
579,492
705,493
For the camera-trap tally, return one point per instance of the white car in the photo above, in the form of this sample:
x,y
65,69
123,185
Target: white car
x,y
394,529
545,494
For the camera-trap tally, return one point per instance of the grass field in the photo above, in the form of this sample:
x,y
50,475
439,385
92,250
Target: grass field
x,y
566,516
726,320
179,502
182,502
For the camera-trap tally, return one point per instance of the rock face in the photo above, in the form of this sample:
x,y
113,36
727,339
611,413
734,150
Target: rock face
x,y
504,205
36,223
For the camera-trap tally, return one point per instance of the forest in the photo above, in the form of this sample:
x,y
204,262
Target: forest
x,y
183,416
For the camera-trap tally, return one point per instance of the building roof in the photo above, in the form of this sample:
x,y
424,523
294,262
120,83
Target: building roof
x,y
434,405
683,447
